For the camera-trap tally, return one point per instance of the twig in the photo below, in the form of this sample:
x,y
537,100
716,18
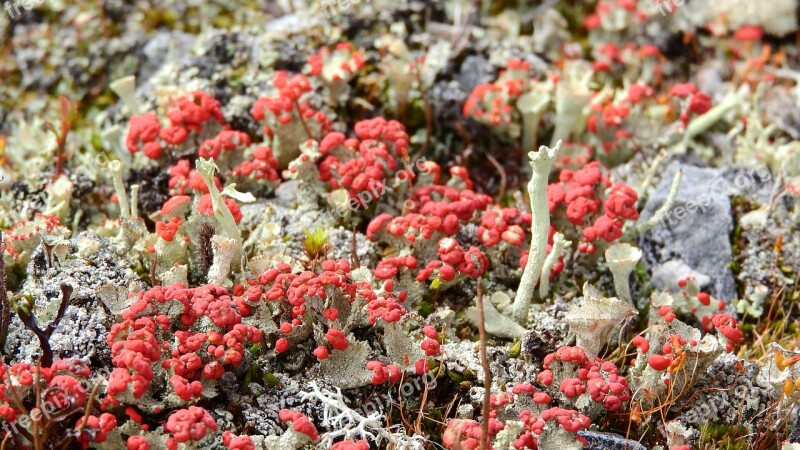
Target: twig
x,y
153,268
353,254
501,171
5,306
424,399
487,373
303,120
32,324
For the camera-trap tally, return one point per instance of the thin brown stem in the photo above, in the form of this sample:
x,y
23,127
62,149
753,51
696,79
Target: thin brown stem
x,y
487,372
30,322
153,269
353,253
501,171
302,120
5,305
424,400
35,424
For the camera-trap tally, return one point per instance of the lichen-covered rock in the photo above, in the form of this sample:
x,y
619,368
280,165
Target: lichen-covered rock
x,y
100,286
696,230
726,394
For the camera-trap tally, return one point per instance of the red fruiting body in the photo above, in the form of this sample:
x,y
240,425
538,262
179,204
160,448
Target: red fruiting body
x,y
190,424
281,345
493,103
237,442
728,327
641,343
188,113
665,311
430,346
321,352
659,362
300,423
95,429
337,339
350,445
579,193
384,373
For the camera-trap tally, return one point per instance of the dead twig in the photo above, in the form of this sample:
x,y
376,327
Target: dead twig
x,y
5,306
502,172
303,120
30,322
487,372
353,254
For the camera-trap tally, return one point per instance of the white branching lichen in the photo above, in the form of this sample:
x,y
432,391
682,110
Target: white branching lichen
x,y
531,105
225,250
350,424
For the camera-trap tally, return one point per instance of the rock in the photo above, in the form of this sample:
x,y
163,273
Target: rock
x,y
596,440
696,230
158,49
475,70
667,275
729,392
753,183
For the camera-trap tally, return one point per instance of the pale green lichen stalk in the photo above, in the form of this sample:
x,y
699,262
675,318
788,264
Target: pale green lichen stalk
x,y
622,259
531,105
541,163
642,227
119,187
560,245
207,168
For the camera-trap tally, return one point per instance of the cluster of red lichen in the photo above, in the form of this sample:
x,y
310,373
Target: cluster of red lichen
x,y
160,334
364,163
149,341
62,391
538,409
494,103
579,196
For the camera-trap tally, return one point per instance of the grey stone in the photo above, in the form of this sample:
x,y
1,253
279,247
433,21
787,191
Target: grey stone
x,y
474,71
697,228
596,440
667,275
729,392
163,44
753,183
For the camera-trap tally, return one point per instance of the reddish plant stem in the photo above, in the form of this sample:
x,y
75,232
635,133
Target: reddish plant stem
x,y
487,372
5,305
302,120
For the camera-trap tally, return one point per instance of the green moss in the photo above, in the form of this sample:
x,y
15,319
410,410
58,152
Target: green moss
x,y
424,309
724,437
315,242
